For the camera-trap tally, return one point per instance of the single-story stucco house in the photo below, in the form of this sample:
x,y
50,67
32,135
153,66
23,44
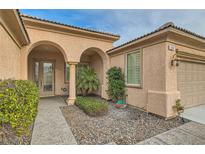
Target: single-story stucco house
x,y
160,67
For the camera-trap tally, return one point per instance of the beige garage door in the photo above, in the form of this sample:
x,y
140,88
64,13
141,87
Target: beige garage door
x,y
191,83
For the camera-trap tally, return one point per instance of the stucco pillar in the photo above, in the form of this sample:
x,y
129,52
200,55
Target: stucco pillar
x,y
72,84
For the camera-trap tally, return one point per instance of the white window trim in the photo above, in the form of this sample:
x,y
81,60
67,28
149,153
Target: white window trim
x,y
133,85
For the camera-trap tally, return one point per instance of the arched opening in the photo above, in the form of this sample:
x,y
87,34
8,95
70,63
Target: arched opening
x,y
96,59
47,68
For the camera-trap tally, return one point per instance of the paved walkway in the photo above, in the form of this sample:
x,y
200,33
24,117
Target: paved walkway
x,y
187,134
196,113
50,126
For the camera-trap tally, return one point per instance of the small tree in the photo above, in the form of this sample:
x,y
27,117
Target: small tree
x,y
87,80
116,83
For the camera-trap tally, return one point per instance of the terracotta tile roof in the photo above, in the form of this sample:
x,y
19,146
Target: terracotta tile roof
x,y
71,26
166,25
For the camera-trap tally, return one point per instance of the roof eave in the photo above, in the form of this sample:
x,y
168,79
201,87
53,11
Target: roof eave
x,y
112,37
135,41
22,27
187,34
173,29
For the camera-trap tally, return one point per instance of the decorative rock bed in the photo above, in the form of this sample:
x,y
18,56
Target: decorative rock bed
x,y
121,126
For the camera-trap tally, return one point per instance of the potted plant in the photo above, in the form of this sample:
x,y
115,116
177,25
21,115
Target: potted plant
x,y
116,86
178,107
121,103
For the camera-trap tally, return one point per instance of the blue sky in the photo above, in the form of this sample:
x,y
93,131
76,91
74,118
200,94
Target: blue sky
x,y
129,24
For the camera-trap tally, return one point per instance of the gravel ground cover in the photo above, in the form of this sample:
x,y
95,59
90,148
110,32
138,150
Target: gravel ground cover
x,y
122,126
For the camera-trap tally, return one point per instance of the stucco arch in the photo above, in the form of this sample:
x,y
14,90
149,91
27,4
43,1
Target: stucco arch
x,y
42,55
46,42
102,54
104,67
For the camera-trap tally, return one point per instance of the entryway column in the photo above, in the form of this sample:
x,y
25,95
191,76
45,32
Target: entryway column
x,y
72,84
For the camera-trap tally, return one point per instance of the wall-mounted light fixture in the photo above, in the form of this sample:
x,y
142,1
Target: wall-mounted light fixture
x,y
175,61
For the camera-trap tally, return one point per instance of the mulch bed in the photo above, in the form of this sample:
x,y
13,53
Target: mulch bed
x,y
122,126
9,137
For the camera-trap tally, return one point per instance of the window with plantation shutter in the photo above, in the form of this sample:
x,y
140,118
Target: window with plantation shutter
x,y
133,68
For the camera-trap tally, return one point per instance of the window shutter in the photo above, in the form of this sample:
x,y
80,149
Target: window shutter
x,y
133,68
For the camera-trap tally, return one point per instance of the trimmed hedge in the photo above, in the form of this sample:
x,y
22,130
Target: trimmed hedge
x,y
18,104
91,106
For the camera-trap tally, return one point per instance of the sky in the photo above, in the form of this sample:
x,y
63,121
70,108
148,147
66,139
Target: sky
x,y
129,24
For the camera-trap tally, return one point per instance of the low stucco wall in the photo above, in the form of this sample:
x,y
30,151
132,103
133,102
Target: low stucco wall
x,y
9,56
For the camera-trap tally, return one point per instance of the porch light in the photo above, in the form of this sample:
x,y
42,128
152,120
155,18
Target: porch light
x,y
174,60
177,63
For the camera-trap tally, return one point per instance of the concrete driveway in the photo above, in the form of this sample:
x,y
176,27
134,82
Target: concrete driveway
x,y
187,134
196,113
191,133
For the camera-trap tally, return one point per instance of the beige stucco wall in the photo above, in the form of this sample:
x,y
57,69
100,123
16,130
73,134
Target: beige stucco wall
x,y
72,46
153,77
158,90
97,65
9,56
136,96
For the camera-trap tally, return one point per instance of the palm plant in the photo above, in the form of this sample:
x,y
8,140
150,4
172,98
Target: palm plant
x,y
87,80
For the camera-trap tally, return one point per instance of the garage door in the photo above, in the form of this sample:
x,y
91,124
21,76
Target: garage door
x,y
191,83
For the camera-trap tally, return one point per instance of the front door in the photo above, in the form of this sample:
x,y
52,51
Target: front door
x,y
44,77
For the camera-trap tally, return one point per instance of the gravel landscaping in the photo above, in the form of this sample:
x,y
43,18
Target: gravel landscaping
x,y
122,126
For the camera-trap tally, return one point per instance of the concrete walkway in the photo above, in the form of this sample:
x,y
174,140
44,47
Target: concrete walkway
x,y
196,113
187,134
50,126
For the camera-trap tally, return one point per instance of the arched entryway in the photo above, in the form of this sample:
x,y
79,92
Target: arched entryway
x,y
47,68
96,59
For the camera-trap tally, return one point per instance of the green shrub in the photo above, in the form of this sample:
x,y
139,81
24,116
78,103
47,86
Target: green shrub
x,y
116,83
87,80
178,106
92,106
18,104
